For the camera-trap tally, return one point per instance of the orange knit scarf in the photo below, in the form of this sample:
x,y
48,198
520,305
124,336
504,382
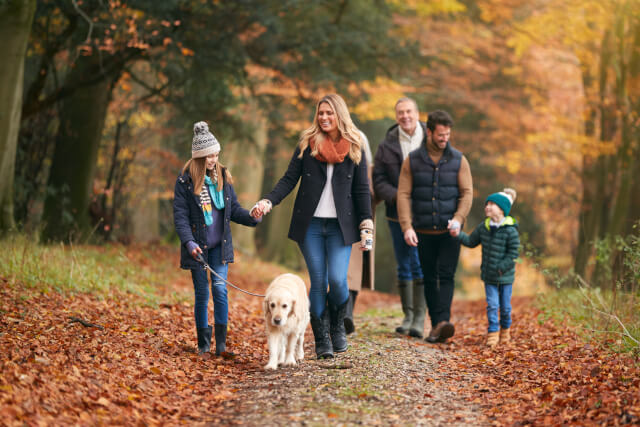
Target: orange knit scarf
x,y
331,152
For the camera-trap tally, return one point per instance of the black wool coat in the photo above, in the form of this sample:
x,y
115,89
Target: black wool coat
x,y
188,219
351,195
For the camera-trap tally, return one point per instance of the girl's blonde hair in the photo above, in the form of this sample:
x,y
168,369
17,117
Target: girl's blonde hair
x,y
346,128
197,169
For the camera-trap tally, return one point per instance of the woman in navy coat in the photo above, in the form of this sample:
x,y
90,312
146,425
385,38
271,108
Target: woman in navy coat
x,y
332,209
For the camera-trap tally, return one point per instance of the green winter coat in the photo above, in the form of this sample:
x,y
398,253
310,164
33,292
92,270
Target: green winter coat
x,y
500,249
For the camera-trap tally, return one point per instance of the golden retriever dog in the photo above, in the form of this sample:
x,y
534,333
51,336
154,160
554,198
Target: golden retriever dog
x,y
286,314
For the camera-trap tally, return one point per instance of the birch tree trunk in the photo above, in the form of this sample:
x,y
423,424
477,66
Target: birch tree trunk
x,y
15,25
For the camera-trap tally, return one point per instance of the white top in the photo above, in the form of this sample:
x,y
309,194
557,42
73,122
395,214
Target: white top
x,y
408,143
326,206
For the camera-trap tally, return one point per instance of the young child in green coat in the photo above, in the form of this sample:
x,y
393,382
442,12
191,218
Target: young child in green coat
x,y
498,235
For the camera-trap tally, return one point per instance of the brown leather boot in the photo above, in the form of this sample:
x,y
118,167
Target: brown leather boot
x,y
441,332
505,336
492,339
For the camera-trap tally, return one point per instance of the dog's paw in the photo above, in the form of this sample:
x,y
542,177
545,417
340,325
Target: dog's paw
x,y
290,362
270,367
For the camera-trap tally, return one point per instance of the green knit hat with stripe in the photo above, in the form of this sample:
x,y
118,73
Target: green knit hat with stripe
x,y
504,199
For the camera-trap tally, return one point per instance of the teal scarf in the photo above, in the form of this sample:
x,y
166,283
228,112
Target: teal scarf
x,y
217,196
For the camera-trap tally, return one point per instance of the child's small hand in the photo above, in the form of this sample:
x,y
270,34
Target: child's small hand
x,y
455,232
195,252
256,212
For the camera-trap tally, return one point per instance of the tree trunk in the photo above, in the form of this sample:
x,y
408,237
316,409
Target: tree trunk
x,y
70,184
15,25
245,161
594,204
273,243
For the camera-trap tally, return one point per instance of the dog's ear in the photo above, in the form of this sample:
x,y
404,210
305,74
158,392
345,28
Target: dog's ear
x,y
265,306
292,312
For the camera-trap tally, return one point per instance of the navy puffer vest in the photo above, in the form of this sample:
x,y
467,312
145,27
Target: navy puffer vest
x,y
435,193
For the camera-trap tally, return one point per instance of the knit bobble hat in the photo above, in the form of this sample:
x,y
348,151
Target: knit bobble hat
x,y
204,143
503,199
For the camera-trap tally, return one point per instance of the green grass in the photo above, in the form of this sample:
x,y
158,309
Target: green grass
x,y
70,269
597,316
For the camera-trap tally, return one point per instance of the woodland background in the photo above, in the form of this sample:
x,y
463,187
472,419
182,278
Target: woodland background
x,y
98,99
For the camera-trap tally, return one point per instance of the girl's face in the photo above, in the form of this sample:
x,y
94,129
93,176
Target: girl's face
x,y
327,119
493,211
211,161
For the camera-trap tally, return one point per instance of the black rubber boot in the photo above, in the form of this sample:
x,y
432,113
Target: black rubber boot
x,y
349,325
221,339
320,327
204,339
336,328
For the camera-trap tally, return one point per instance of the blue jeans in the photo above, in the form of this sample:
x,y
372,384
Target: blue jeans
x,y
407,260
498,297
327,259
219,290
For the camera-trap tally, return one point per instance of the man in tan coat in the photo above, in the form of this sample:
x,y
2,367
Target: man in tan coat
x,y
435,191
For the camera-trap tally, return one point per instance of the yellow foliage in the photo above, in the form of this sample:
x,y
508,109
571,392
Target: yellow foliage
x,y
426,8
382,96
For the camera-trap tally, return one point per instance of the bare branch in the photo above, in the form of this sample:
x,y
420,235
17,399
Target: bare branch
x,y
86,18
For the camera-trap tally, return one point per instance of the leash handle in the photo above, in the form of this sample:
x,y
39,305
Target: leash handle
x,y
200,258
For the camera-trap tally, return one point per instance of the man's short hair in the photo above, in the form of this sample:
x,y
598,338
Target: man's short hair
x,y
406,99
439,117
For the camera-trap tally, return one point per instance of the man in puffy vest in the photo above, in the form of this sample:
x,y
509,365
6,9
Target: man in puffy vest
x,y
435,191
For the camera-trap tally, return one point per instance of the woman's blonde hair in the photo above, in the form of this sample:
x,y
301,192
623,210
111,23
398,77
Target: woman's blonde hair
x,y
197,169
346,128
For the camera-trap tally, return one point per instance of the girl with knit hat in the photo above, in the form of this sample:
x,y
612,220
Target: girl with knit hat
x,y
204,203
498,235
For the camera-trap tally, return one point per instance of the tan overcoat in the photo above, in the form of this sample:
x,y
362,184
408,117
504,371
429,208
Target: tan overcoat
x,y
362,263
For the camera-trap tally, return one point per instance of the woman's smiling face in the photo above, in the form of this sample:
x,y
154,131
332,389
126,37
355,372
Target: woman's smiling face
x,y
327,118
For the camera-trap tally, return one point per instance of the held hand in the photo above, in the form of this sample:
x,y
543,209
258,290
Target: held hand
x,y
256,212
195,252
410,237
265,206
453,225
455,232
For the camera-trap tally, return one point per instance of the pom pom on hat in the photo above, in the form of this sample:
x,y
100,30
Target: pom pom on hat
x,y
204,143
503,199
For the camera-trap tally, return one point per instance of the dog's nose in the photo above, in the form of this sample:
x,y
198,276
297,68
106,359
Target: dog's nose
x,y
276,320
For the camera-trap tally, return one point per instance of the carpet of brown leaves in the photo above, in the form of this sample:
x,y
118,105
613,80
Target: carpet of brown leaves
x,y
140,365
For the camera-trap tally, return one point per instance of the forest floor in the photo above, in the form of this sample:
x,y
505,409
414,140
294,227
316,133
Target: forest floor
x,y
134,364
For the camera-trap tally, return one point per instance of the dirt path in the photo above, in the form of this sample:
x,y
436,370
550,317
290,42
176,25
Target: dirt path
x,y
139,367
383,379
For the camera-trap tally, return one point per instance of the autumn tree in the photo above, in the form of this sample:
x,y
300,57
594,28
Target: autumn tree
x,y
15,23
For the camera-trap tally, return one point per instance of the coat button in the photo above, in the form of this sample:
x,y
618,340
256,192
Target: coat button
x,y
433,198
434,227
349,213
436,169
224,241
